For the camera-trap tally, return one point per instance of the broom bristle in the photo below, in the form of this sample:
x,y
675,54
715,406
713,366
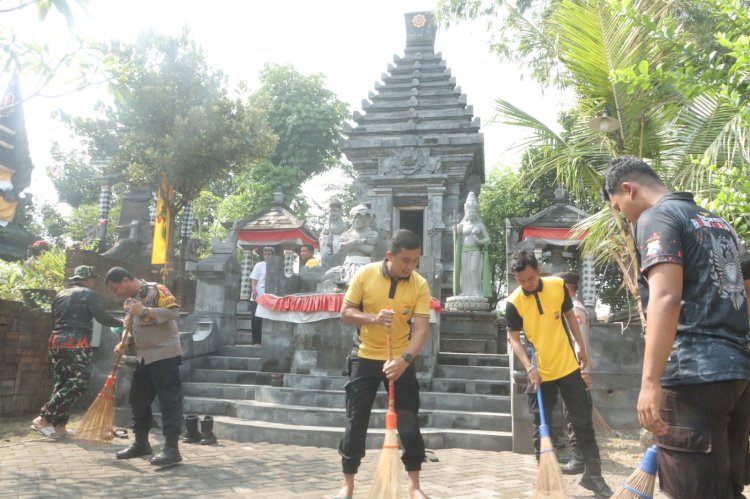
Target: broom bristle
x,y
640,484
600,424
387,480
97,423
550,483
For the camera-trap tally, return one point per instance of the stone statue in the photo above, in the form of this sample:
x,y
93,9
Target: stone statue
x,y
358,243
193,249
471,270
330,236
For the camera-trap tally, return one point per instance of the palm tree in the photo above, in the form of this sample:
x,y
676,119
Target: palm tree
x,y
597,43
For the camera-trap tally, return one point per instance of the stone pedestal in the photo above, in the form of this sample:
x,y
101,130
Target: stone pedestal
x,y
467,304
468,332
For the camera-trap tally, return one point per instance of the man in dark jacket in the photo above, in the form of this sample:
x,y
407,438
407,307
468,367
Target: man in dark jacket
x,y
70,349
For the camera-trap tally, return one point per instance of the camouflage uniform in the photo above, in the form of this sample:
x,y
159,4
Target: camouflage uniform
x,y
72,367
70,344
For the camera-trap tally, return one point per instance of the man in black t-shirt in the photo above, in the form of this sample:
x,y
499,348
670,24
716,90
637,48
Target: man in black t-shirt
x,y
695,393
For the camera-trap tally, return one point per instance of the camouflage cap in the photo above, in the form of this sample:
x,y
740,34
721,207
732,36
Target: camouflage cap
x,y
83,272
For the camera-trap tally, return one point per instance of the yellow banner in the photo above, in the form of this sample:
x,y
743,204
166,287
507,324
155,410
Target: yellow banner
x,y
7,210
160,252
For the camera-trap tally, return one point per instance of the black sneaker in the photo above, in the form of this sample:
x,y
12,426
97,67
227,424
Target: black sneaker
x,y
596,484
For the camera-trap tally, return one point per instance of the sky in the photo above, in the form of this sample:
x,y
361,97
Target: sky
x,y
351,42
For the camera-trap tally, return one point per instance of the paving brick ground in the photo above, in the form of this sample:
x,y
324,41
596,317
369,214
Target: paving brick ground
x,y
33,467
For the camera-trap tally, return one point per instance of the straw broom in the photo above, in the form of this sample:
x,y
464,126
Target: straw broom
x,y
550,483
600,424
640,485
387,480
97,423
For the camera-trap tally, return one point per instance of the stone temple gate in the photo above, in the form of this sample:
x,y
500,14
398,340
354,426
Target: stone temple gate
x,y
417,148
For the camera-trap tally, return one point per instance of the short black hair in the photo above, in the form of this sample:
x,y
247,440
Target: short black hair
x,y
403,239
571,278
627,168
117,274
522,259
308,246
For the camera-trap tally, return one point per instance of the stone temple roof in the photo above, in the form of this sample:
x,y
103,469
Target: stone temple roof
x,y
417,121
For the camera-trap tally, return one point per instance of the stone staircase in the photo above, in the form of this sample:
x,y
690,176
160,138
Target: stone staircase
x,y
465,405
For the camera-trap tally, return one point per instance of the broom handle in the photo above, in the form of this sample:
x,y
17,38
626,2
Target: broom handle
x,y
128,326
391,383
538,390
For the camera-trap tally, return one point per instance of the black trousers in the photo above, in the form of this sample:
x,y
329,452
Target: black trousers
x,y
256,324
703,452
578,404
158,379
365,376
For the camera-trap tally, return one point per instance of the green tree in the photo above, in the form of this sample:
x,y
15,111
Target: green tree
x,y
608,54
58,68
308,119
172,123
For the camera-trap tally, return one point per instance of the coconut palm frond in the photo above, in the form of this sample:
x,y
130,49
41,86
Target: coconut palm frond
x,y
707,132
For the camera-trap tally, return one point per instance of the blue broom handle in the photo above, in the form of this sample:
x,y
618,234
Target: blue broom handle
x,y
538,389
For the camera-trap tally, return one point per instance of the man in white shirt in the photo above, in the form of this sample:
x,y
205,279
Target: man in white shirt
x,y
258,282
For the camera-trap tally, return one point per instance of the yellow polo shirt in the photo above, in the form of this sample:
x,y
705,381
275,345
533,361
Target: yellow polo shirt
x,y
540,316
368,292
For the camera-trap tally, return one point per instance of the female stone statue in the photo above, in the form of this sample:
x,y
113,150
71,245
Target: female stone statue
x,y
471,269
358,242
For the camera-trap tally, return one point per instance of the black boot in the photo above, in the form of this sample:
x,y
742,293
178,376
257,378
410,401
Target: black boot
x,y
207,431
170,454
192,435
575,465
140,447
594,482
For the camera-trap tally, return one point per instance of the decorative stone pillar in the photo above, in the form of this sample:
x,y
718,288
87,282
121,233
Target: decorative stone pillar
x,y
588,283
105,200
245,288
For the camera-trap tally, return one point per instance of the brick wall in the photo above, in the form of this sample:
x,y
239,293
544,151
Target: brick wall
x,y
25,369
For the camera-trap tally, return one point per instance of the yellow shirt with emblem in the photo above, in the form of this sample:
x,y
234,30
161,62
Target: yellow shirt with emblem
x,y
544,328
368,292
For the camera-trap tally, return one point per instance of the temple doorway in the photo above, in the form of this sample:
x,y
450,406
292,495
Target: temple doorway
x,y
412,219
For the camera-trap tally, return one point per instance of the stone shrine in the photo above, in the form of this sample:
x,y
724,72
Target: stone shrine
x,y
417,148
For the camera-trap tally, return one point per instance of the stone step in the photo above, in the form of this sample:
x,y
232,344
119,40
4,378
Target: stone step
x,y
219,390
463,345
245,323
498,386
241,377
241,338
472,359
472,372
328,398
242,430
428,399
484,387
240,351
336,416
225,362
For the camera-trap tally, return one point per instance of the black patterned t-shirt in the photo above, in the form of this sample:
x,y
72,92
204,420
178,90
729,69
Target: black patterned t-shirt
x,y
712,333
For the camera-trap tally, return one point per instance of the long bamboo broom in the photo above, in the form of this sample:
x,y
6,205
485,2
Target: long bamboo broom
x,y
388,477
640,484
550,483
97,423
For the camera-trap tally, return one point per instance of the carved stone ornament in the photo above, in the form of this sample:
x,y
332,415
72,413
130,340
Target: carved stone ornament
x,y
408,161
418,21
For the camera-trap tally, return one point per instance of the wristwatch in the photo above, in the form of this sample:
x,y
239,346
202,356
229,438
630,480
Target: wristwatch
x,y
409,358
